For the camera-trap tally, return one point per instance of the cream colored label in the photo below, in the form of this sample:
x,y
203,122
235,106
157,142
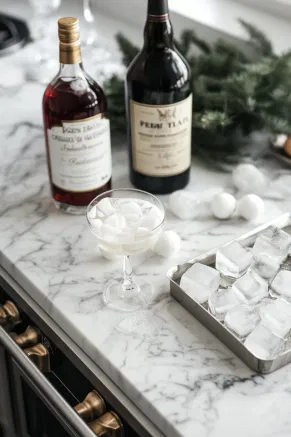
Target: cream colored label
x,y
161,137
80,154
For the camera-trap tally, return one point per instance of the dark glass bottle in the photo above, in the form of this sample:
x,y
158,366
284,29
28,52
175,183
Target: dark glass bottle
x,y
159,108
76,128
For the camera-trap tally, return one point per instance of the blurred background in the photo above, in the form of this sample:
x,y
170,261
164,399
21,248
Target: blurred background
x,y
209,34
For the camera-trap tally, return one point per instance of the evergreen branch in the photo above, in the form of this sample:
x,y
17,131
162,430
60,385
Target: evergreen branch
x,y
189,37
258,39
128,50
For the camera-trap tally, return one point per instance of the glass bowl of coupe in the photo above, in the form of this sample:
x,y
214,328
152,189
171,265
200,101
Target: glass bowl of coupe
x,y
126,222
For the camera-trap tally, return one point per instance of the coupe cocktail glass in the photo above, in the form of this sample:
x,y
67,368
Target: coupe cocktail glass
x,y
126,222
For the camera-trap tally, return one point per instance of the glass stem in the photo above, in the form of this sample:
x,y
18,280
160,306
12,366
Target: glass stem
x,y
128,284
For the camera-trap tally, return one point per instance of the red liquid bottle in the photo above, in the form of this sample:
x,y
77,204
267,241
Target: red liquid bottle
x,y
77,129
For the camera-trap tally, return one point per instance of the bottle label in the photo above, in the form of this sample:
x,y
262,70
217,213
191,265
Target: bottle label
x,y
161,138
80,154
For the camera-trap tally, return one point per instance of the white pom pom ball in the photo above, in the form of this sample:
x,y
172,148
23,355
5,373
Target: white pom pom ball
x,y
248,179
168,244
250,207
223,205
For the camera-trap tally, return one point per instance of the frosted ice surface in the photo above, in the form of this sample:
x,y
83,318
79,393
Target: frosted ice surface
x,y
250,288
242,320
105,207
221,301
273,242
265,266
281,285
199,281
277,316
233,259
187,205
263,343
109,232
115,220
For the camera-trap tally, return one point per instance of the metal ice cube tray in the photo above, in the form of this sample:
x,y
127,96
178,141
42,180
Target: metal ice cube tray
x,y
202,314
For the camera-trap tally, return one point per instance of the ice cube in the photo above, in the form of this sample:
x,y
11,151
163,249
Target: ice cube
x,y
104,207
273,242
108,232
115,220
226,281
281,285
221,301
233,259
187,205
92,214
250,288
141,231
96,224
265,266
277,316
242,320
263,343
199,281
152,218
286,265
128,207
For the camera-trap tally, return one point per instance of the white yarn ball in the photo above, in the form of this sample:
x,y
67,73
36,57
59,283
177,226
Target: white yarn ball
x,y
223,205
248,179
168,244
250,207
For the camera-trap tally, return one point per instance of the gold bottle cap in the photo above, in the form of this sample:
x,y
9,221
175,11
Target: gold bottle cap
x,y
69,37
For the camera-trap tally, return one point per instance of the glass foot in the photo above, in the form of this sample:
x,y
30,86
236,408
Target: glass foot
x,y
131,301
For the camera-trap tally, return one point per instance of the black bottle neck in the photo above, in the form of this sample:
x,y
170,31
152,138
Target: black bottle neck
x,y
158,33
158,8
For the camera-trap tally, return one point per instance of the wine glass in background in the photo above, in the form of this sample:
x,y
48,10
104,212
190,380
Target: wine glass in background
x,y
126,222
43,61
100,61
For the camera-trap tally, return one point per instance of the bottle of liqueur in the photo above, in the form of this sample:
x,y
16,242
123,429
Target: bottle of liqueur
x,y
159,108
76,127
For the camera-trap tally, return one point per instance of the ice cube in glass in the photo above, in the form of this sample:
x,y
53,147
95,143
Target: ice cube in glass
x,y
277,316
105,207
242,320
221,301
281,285
250,288
233,259
263,343
199,281
273,242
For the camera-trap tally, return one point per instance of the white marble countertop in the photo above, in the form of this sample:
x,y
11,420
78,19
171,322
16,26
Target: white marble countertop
x,y
182,378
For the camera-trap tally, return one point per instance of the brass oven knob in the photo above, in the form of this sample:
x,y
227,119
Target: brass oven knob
x,y
93,406
39,354
9,315
108,425
29,338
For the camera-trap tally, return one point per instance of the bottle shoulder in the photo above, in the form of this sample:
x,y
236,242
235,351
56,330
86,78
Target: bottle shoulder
x,y
69,96
160,67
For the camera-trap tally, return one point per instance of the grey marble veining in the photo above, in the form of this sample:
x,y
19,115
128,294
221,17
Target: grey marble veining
x,y
180,376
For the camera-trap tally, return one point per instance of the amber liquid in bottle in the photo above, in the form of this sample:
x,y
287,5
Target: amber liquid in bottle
x,y
76,128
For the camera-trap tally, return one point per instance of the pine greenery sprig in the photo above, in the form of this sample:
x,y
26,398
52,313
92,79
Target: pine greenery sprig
x,y
233,94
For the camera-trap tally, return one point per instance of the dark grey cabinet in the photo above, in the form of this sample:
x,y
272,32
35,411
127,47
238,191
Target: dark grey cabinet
x,y
6,413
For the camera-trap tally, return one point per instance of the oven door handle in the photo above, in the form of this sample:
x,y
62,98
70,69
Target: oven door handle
x,y
45,387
